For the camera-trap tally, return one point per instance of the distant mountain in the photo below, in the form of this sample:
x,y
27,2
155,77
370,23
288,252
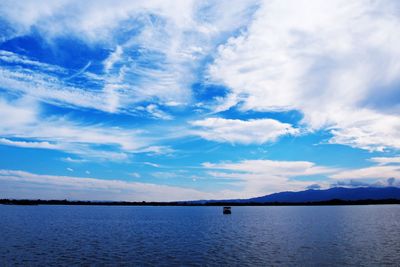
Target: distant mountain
x,y
360,193
341,193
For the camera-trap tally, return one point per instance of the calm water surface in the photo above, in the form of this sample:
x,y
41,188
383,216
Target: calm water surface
x,y
187,236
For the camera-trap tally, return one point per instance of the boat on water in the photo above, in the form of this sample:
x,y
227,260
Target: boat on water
x,y
227,210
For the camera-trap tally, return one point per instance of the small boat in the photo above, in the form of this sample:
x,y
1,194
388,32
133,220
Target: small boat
x,y
227,210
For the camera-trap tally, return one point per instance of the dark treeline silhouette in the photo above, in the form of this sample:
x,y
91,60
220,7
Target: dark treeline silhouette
x,y
144,203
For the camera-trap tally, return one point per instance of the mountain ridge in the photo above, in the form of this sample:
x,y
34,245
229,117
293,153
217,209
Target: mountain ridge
x,y
319,195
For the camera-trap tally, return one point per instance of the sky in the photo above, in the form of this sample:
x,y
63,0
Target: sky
x,y
183,100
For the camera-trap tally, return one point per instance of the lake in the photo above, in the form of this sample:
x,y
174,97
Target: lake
x,y
203,236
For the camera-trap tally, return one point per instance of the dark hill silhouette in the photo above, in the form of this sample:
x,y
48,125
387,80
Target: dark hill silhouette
x,y
341,193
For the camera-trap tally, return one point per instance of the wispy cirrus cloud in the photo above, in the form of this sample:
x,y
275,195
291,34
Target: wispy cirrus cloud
x,y
155,48
29,144
155,112
23,126
13,58
46,83
155,165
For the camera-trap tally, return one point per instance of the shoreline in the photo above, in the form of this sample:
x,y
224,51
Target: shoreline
x,y
333,202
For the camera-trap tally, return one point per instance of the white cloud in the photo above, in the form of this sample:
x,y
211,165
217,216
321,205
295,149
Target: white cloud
x,y
155,112
23,16
155,46
367,130
385,172
19,113
10,57
45,145
272,167
112,58
135,174
386,160
96,19
49,83
22,120
81,71
20,184
152,164
337,62
156,150
374,173
49,88
61,131
259,177
73,160
70,169
333,61
256,131
93,154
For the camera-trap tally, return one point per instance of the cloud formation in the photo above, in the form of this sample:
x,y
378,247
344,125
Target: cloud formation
x,y
374,173
22,120
384,172
386,160
257,131
112,83
25,185
260,177
334,61
155,48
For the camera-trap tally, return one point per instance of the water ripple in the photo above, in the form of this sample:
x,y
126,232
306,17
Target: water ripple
x,y
200,236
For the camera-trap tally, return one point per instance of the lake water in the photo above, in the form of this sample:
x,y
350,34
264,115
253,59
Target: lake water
x,y
203,236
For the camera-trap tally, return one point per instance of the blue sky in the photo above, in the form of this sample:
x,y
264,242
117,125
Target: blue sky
x,y
177,100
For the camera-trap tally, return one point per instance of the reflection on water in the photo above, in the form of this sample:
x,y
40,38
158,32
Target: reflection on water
x,y
165,236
